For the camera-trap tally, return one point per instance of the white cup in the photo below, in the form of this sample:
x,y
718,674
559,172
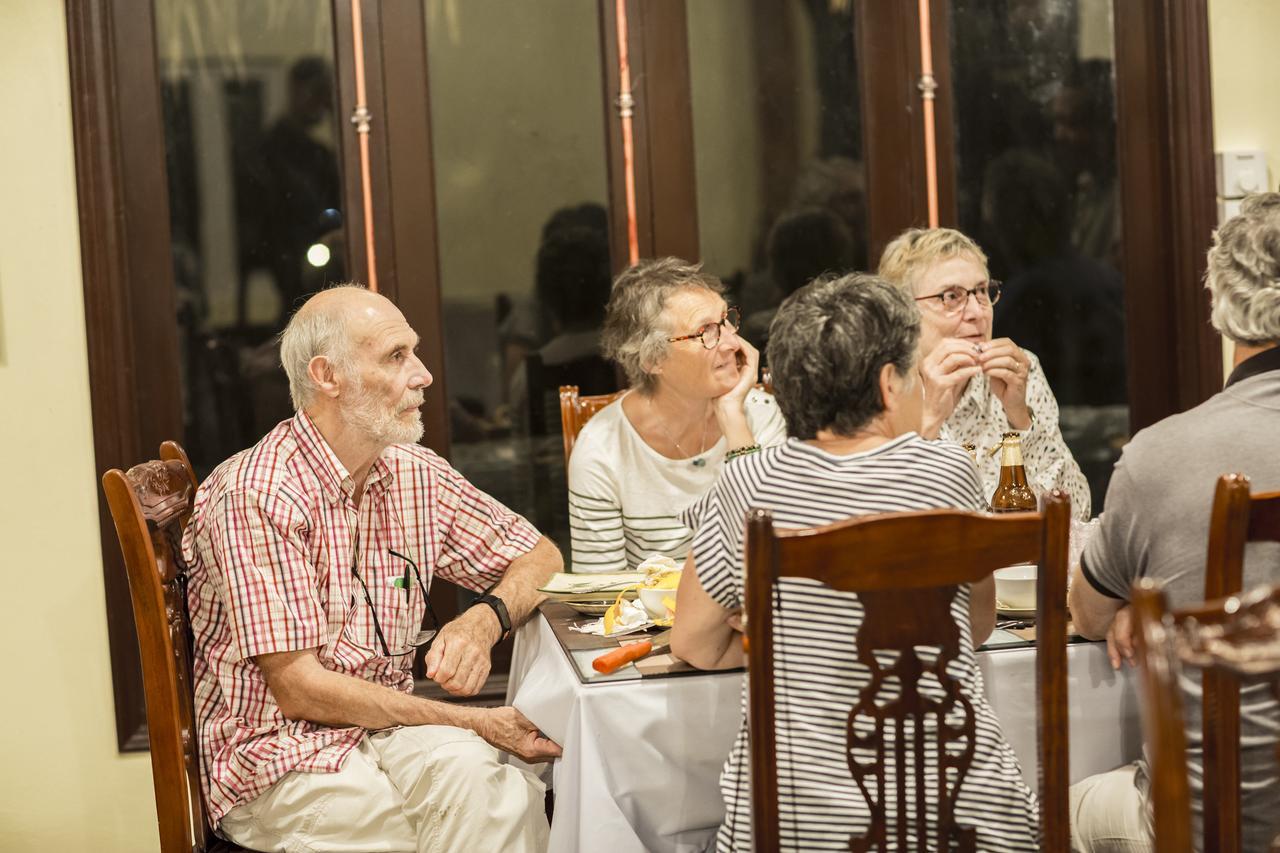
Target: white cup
x,y
1016,587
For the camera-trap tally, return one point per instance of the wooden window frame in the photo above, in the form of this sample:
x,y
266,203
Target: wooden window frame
x,y
1165,151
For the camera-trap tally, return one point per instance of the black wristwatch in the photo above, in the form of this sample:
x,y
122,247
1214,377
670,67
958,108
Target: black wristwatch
x,y
499,609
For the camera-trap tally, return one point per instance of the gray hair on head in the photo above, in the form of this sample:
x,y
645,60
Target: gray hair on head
x,y
827,345
314,332
1243,276
633,335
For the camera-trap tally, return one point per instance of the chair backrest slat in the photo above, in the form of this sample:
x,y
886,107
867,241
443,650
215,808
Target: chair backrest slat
x,y
905,568
1236,638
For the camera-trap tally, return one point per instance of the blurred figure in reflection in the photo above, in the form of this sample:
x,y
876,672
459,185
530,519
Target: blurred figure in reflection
x,y
834,184
524,324
803,244
975,387
291,194
1052,285
1084,145
572,286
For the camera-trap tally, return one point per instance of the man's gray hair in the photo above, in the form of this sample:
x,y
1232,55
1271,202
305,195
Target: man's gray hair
x,y
308,334
1243,276
633,334
827,345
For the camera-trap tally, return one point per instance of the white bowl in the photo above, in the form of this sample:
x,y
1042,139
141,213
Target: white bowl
x,y
1016,587
652,601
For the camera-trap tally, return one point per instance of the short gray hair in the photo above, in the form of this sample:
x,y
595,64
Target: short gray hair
x,y
1243,276
308,334
827,346
633,335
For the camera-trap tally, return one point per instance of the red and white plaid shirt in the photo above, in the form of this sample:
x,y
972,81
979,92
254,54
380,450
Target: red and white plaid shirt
x,y
270,548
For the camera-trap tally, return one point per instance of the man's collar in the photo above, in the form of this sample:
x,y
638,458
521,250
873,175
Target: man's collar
x,y
1264,362
334,477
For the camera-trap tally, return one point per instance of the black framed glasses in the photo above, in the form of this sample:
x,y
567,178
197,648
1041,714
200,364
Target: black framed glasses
x,y
425,636
954,298
710,333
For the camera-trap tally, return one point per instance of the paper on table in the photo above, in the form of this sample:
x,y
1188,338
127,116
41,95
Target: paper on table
x,y
632,617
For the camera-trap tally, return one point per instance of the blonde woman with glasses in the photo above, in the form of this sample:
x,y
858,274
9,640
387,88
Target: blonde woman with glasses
x,y
976,388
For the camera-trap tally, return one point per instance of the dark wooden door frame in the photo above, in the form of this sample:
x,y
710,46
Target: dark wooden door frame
x,y
127,270
1165,157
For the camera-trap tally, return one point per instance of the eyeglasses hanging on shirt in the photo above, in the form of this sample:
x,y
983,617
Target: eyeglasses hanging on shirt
x,y
425,635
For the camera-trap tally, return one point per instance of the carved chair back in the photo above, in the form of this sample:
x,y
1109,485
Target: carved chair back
x,y
1238,518
150,505
905,568
1237,637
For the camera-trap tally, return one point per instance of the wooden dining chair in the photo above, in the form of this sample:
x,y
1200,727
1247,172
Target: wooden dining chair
x,y
1237,637
1238,517
905,568
576,410
150,505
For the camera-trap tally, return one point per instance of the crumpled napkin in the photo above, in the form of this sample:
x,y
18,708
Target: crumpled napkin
x,y
631,618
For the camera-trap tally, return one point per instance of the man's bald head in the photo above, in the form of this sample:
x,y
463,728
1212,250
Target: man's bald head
x,y
331,324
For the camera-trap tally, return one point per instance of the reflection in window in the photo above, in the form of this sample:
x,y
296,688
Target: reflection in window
x,y
518,136
1036,185
778,148
254,201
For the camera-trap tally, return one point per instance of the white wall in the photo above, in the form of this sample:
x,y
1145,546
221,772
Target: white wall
x,y
1245,64
63,786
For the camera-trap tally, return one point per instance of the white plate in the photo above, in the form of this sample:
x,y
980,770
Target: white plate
x,y
1014,612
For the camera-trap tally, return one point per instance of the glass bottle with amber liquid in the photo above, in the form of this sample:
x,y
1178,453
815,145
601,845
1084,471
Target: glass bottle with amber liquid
x,y
1012,494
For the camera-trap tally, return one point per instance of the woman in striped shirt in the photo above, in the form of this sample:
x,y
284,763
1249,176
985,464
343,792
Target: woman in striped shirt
x,y
645,457
843,358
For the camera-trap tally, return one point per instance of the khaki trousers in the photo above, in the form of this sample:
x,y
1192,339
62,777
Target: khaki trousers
x,y
1108,814
421,788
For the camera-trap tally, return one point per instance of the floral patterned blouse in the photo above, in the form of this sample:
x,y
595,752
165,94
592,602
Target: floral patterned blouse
x,y
979,418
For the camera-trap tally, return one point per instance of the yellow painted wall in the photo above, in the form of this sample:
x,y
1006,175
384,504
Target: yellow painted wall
x,y
1245,66
63,786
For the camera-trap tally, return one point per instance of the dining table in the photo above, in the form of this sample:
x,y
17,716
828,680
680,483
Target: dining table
x,y
643,750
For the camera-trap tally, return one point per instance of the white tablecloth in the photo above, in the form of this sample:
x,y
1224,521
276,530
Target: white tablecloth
x,y
642,759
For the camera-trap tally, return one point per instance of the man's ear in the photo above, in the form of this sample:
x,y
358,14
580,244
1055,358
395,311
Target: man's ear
x,y
321,373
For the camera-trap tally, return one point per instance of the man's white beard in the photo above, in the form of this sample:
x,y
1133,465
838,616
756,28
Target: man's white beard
x,y
371,417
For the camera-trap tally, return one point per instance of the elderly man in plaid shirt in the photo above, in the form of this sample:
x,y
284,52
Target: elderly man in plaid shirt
x,y
310,555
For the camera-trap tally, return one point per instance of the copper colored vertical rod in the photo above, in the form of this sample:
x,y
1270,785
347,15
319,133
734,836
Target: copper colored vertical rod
x,y
361,118
928,89
626,105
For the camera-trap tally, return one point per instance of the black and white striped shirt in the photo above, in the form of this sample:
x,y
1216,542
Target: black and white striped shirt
x,y
819,677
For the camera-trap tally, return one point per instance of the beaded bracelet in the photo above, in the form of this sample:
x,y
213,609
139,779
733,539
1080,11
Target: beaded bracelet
x,y
741,451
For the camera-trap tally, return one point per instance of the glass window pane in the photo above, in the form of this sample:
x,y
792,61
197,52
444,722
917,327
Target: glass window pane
x,y
1034,87
518,137
777,147
255,205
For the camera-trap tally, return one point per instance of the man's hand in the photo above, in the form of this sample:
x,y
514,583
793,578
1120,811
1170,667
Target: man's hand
x,y
510,731
1120,638
1007,367
945,373
459,659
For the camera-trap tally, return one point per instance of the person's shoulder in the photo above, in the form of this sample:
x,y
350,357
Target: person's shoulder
x,y
415,457
603,426
267,466
761,400
1183,432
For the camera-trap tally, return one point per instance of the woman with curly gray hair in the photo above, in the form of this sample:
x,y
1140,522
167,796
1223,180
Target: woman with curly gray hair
x,y
692,404
843,355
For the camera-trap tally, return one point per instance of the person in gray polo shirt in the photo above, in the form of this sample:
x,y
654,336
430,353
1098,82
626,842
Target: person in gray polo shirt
x,y
1155,523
